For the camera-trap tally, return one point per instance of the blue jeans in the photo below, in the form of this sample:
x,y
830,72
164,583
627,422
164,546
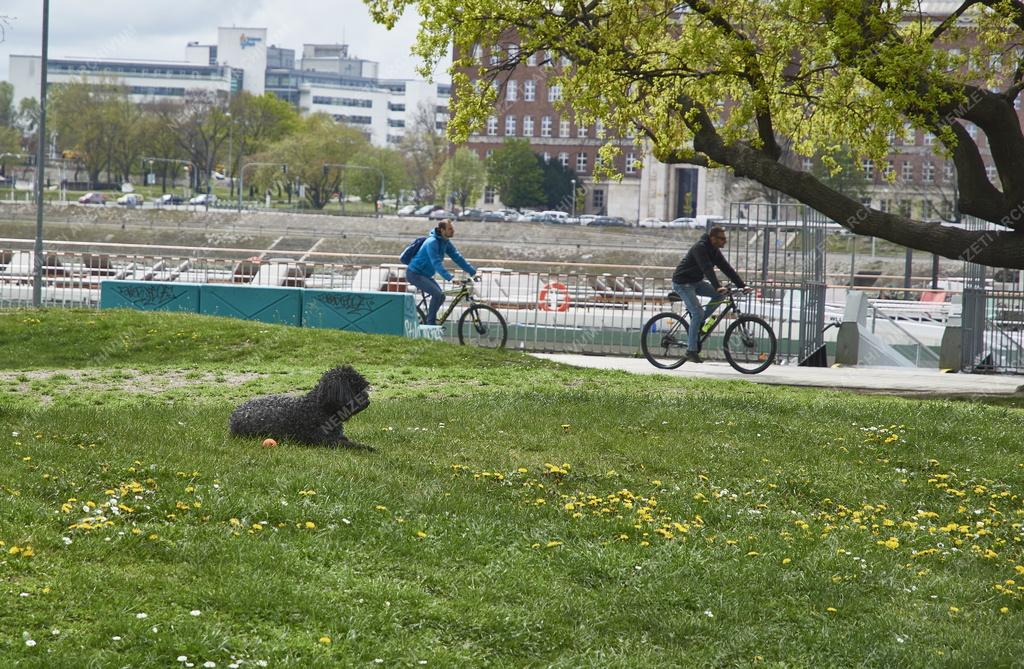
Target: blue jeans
x,y
689,293
431,288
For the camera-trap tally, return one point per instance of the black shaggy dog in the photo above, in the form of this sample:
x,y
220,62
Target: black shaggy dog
x,y
315,418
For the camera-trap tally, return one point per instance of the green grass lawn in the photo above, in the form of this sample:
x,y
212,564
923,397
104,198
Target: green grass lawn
x,y
516,513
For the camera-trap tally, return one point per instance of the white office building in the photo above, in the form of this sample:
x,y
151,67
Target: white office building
x,y
325,79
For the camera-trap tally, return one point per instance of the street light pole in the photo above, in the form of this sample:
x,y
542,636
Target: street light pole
x,y
574,198
241,178
37,283
231,146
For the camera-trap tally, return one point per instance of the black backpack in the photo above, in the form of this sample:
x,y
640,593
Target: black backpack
x,y
411,250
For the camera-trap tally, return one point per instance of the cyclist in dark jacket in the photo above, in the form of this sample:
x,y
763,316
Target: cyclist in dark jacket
x,y
695,276
430,260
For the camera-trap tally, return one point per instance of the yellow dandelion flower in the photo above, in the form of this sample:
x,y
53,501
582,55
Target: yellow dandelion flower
x,y
326,640
534,545
380,507
553,544
421,534
14,550
136,531
1004,610
153,537
832,610
786,560
234,521
954,609
310,525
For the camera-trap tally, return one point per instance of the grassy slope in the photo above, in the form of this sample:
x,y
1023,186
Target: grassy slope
x,y
778,501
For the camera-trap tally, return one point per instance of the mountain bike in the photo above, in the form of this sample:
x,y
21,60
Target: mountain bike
x,y
749,343
479,325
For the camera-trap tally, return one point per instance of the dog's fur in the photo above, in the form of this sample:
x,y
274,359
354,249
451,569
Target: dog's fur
x,y
315,418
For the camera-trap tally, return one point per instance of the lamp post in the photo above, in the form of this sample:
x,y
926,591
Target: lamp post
x,y
231,146
574,198
37,283
241,178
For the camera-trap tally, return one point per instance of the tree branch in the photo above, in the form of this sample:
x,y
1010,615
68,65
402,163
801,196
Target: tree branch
x,y
951,20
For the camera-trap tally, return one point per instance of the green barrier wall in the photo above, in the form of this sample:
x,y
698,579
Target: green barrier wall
x,y
371,312
255,303
149,296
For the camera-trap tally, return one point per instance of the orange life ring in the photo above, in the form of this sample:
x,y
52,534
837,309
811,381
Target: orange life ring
x,y
563,302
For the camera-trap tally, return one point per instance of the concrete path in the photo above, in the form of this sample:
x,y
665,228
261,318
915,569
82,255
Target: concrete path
x,y
871,379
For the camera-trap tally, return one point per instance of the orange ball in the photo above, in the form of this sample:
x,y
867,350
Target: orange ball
x,y
269,443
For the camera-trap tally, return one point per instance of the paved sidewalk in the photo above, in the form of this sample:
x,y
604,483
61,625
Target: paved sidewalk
x,y
875,379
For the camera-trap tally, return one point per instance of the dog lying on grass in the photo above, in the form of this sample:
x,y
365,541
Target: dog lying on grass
x,y
315,418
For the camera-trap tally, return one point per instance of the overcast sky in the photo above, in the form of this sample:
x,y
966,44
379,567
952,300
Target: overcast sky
x,y
160,31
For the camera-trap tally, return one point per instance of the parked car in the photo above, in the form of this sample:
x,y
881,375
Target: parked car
x,y
204,199
493,216
170,198
93,197
440,214
471,215
585,219
683,222
609,221
130,200
425,210
652,223
407,210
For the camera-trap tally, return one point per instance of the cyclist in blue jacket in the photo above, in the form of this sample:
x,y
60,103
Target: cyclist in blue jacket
x,y
430,260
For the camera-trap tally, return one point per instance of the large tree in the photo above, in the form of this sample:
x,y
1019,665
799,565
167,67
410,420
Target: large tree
x,y
463,177
722,82
319,141
425,150
515,171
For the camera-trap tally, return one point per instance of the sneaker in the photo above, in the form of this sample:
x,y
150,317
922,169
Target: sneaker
x,y
694,357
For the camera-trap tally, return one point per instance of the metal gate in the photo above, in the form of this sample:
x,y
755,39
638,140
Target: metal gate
x,y
780,249
993,315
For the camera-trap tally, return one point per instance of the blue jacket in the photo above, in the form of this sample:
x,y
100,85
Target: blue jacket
x,y
430,258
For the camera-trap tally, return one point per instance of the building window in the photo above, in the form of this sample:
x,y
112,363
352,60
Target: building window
x,y
563,128
510,125
511,90
478,53
868,168
903,207
531,60
492,126
547,157
545,126
563,159
630,163
495,55
884,206
806,164
599,199
489,193
947,170
928,172
488,153
929,138
581,131
991,173
581,162
554,93
909,135
907,171
513,51
527,126
598,129
529,90
890,169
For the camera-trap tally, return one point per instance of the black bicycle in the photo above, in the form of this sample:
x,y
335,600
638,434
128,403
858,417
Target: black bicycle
x,y
749,343
479,325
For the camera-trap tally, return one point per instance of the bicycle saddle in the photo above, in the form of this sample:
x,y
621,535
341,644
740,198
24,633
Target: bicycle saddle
x,y
673,296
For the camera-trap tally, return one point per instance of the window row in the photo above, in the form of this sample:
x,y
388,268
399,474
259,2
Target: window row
x,y
546,127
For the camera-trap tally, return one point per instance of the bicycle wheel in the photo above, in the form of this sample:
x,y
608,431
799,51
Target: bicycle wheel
x,y
421,314
749,345
482,325
663,340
